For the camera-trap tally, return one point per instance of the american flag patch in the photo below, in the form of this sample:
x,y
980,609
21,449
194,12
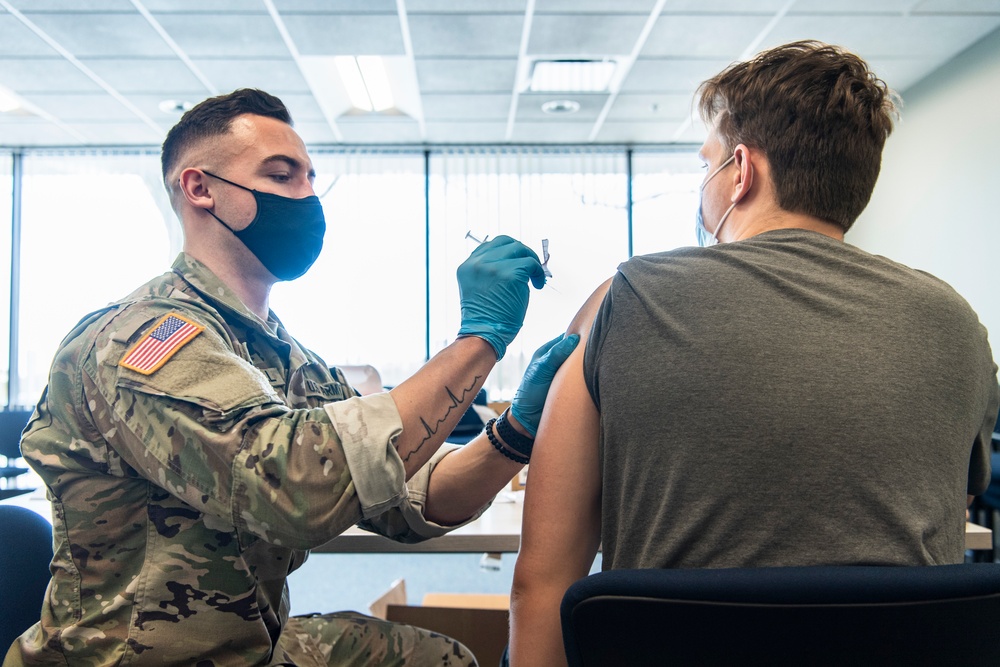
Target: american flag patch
x,y
170,334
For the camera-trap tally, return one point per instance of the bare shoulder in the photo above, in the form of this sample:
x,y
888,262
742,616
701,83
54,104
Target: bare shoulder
x,y
588,311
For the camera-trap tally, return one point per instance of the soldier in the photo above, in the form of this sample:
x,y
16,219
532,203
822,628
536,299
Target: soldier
x,y
194,452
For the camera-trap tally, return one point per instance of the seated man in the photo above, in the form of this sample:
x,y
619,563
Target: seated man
x,y
781,398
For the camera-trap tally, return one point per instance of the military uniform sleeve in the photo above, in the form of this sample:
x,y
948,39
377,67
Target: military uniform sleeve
x,y
390,505
208,427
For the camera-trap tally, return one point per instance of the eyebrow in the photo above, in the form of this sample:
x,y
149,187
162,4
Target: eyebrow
x,y
290,161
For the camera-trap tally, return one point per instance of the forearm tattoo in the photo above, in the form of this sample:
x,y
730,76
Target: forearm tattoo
x,y
454,402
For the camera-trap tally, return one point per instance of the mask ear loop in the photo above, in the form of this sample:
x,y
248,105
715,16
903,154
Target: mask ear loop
x,y
715,235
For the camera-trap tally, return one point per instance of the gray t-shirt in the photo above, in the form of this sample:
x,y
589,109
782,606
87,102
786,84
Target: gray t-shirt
x,y
788,399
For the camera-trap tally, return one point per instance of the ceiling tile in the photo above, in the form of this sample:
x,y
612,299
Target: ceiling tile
x,y
898,36
34,133
852,7
651,107
120,35
958,6
81,106
20,41
124,134
725,6
403,131
466,6
350,34
149,104
336,6
901,74
28,6
466,107
205,6
140,75
695,133
44,74
465,35
303,108
708,36
548,133
275,75
637,133
587,35
670,74
529,107
594,6
314,133
457,75
225,35
468,133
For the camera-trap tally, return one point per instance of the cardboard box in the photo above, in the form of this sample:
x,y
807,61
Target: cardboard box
x,y
480,621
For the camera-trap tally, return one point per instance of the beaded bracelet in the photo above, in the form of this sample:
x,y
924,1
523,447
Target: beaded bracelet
x,y
500,448
521,444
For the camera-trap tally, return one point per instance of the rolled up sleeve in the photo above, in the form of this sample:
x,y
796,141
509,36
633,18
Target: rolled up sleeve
x,y
368,427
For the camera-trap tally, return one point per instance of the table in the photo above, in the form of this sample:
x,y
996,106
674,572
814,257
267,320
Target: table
x,y
498,530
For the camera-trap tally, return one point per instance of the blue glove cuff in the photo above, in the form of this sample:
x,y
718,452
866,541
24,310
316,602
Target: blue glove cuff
x,y
491,337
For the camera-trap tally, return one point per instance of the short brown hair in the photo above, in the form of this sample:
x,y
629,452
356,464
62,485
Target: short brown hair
x,y
819,114
214,117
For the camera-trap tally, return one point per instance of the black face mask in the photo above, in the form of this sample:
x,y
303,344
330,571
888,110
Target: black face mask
x,y
286,235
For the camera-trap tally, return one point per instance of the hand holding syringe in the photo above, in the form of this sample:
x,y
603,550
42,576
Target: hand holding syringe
x,y
545,256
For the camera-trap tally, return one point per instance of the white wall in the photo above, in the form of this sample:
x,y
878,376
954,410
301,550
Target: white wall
x,y
936,206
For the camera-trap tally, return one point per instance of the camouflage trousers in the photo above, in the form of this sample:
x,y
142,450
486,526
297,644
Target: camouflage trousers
x,y
348,638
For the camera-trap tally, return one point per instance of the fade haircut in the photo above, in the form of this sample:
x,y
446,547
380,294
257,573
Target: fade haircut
x,y
819,115
214,117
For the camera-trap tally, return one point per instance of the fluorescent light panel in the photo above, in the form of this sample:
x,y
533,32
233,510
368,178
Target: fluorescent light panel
x,y
366,82
577,76
9,101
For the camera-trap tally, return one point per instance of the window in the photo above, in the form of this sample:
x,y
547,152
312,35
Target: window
x,y
97,224
93,229
574,198
665,197
6,204
364,301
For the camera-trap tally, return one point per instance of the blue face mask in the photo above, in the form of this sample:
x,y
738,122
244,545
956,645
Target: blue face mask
x,y
706,238
286,235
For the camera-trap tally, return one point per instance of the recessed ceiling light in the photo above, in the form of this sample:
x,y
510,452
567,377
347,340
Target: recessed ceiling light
x,y
366,82
561,107
175,106
579,76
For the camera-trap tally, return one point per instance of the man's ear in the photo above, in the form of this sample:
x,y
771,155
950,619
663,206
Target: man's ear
x,y
194,186
743,181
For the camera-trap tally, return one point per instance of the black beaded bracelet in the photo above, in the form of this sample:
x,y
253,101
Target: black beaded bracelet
x,y
521,444
500,448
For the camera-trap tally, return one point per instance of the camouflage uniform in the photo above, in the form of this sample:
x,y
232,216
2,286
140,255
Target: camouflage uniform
x,y
184,497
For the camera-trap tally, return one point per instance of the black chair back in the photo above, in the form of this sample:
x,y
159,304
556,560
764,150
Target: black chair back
x,y
837,615
12,422
25,554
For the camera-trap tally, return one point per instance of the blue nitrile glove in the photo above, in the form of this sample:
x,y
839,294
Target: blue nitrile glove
x,y
530,396
493,290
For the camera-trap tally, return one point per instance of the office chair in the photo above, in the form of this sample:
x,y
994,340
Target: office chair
x,y
985,509
12,422
822,615
25,554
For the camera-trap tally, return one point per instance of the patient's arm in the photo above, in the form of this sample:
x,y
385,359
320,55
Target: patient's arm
x,y
562,508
